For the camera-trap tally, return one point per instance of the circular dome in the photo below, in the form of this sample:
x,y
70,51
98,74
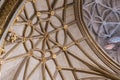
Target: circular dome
x,y
105,25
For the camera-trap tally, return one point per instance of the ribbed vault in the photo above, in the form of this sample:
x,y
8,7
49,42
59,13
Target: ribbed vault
x,y
102,19
47,40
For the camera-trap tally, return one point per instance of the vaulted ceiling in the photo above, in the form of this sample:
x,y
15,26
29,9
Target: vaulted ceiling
x,y
48,40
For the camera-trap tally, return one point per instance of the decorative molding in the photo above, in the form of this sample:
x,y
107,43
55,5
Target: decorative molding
x,y
89,57
6,12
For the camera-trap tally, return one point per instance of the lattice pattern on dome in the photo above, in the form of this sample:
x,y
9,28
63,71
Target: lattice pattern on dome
x,y
44,42
103,20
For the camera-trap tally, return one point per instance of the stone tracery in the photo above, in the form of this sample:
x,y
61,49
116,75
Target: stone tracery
x,y
102,18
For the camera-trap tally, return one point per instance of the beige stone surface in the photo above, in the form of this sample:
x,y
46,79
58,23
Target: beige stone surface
x,y
45,43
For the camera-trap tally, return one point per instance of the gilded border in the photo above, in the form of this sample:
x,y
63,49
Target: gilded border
x,y
6,12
